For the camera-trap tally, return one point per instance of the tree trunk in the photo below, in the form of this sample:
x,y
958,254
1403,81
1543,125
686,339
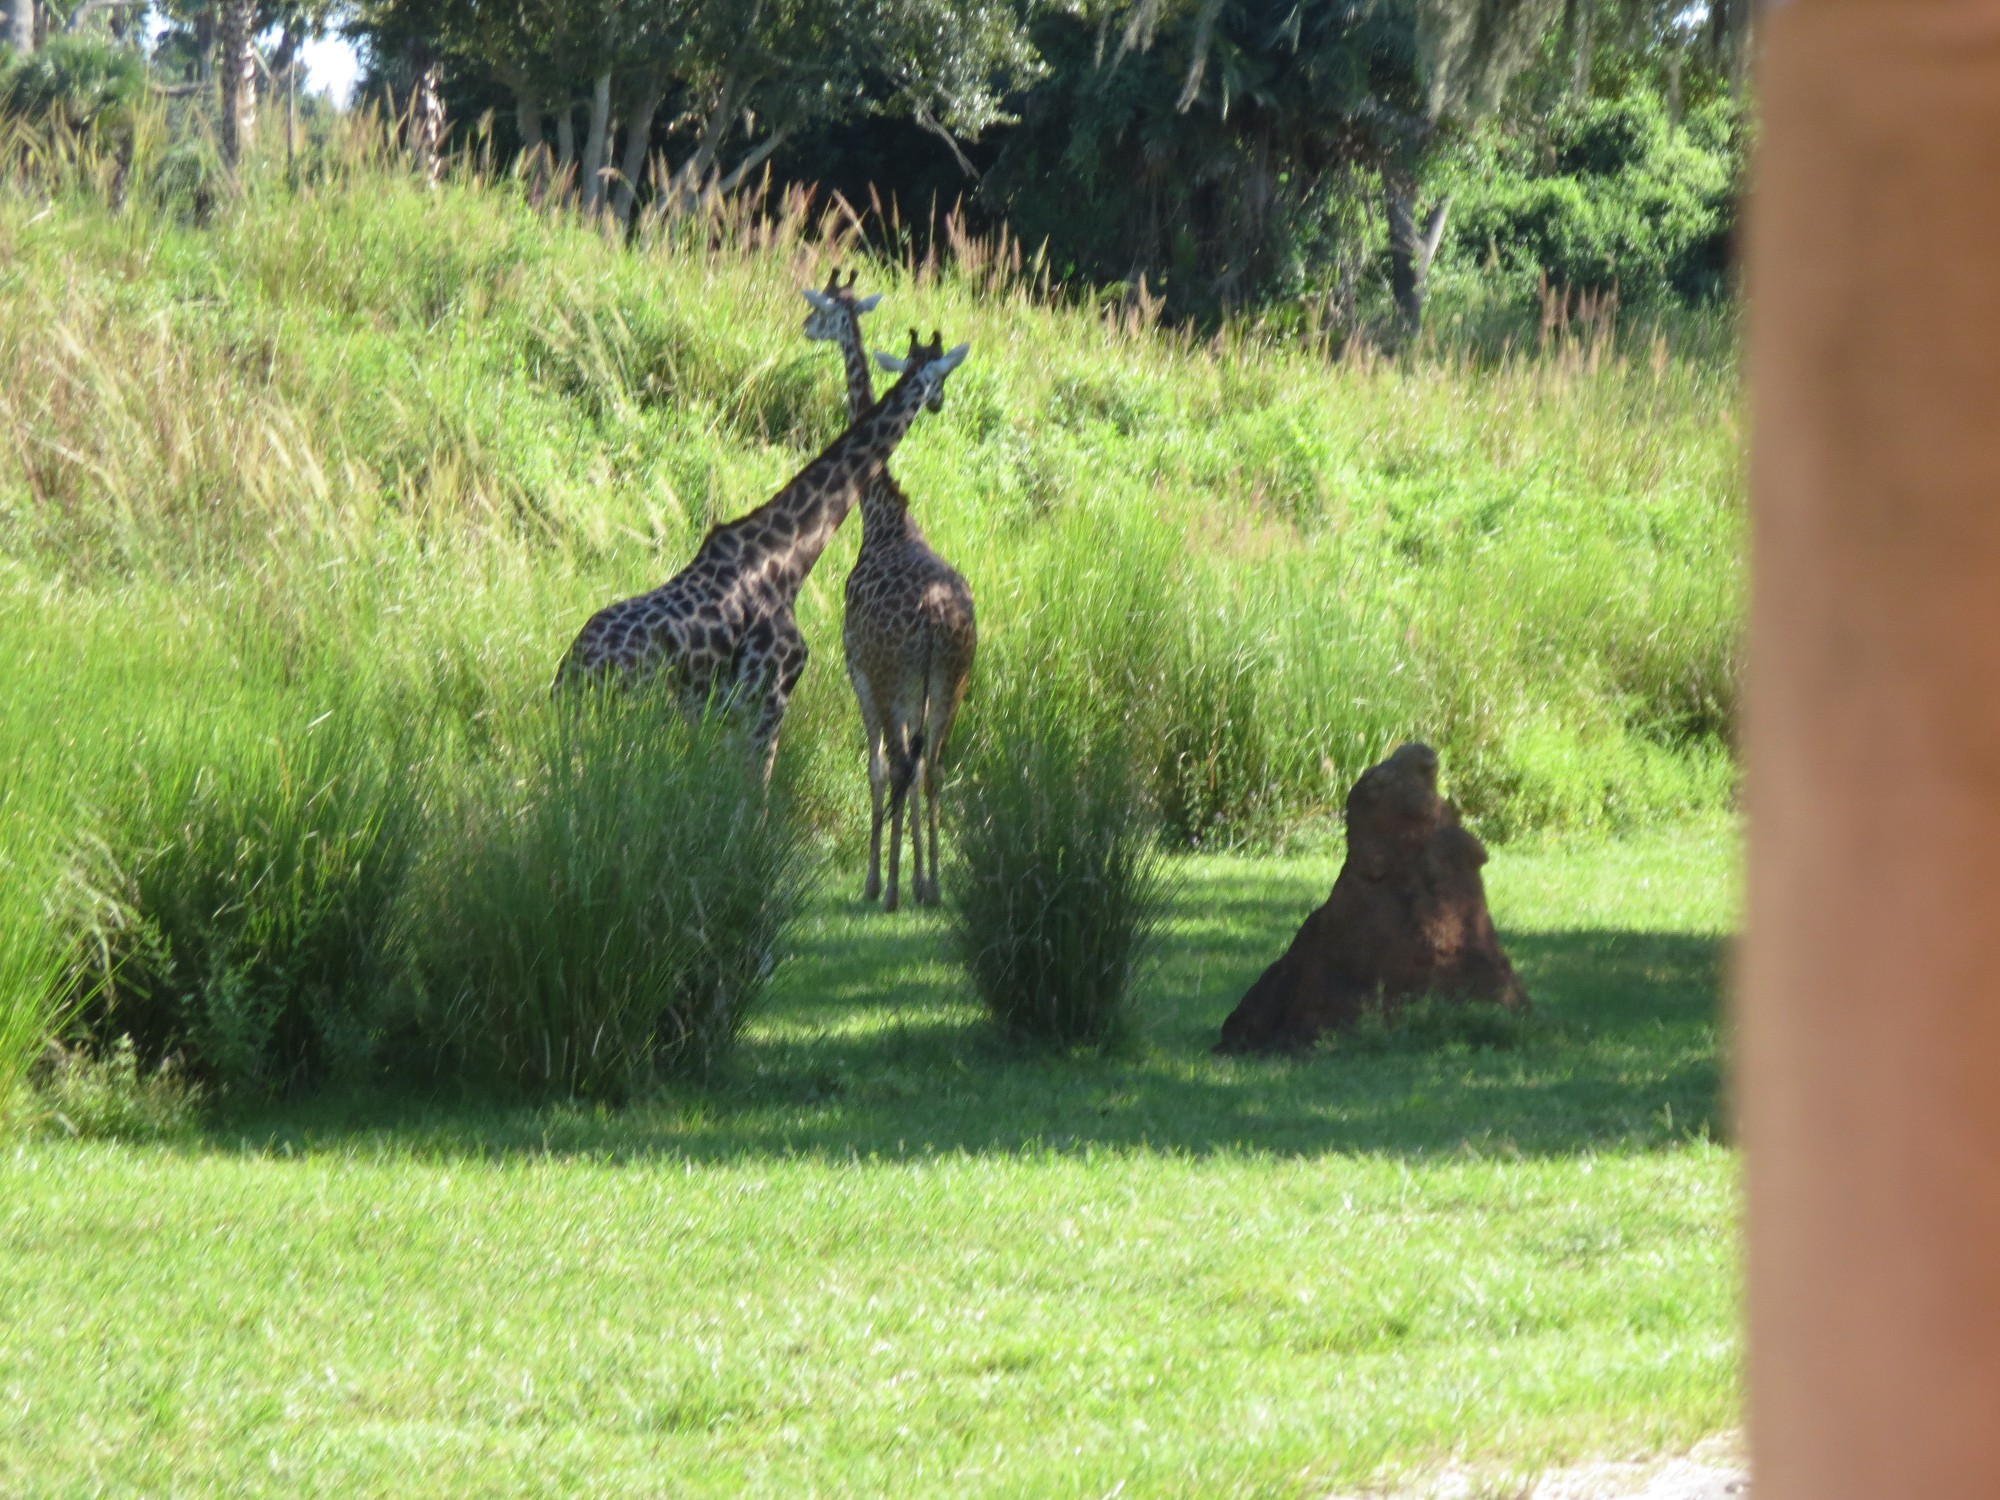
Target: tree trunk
x,y
714,131
236,69
565,148
638,144
1411,249
427,121
594,142
1585,51
21,26
534,146
752,161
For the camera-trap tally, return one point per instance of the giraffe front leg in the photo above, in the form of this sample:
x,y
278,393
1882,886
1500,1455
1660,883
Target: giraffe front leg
x,y
767,680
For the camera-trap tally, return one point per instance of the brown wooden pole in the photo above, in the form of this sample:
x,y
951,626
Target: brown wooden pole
x,y
1870,999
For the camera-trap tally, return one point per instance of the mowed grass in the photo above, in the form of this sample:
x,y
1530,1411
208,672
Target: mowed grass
x,y
882,1253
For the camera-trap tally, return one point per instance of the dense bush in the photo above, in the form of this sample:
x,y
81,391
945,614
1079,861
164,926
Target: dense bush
x,y
1056,889
1612,194
605,907
236,911
77,82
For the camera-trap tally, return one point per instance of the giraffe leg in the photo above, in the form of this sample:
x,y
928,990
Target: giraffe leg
x,y
930,779
878,777
901,766
919,870
944,691
767,681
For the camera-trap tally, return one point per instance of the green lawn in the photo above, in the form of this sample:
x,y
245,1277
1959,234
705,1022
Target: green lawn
x,y
884,1254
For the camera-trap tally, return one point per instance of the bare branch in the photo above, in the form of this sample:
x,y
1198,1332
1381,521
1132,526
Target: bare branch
x,y
929,121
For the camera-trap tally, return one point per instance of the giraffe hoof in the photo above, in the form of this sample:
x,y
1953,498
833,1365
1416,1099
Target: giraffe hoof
x,y
889,902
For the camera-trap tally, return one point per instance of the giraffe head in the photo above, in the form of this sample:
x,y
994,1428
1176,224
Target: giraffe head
x,y
928,363
833,306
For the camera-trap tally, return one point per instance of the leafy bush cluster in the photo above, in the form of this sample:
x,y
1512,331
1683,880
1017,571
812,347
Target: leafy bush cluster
x,y
77,83
1613,195
575,916
1056,889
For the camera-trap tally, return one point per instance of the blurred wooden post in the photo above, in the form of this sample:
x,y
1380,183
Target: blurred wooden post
x,y
1870,1000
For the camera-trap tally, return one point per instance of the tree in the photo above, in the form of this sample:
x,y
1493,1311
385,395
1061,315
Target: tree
x,y
728,79
1212,139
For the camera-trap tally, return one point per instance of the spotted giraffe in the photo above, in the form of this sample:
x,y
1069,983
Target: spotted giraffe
x,y
721,630
909,633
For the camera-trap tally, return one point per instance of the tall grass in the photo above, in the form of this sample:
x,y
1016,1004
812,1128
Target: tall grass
x,y
1056,889
604,908
340,440
237,905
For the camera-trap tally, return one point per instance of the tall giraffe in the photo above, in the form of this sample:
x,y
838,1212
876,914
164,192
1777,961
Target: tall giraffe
x,y
909,633
722,628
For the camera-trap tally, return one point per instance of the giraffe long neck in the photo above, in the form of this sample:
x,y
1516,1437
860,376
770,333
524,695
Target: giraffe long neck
x,y
860,387
802,517
885,513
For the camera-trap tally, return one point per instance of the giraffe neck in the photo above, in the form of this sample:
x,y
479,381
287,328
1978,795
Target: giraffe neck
x,y
885,510
860,387
790,531
885,513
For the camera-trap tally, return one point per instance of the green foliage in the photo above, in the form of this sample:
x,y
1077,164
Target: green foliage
x,y
1612,194
1211,159
237,906
76,82
605,906
1056,891
109,1095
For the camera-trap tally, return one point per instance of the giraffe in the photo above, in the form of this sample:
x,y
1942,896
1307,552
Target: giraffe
x,y
909,633
722,629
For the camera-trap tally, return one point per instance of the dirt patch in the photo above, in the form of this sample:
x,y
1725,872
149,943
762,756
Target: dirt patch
x,y
1717,1469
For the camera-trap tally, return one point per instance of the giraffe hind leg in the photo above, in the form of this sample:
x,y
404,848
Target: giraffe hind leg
x,y
878,778
944,691
902,768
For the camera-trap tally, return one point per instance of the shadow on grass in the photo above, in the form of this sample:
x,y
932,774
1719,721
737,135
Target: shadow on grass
x,y
870,1048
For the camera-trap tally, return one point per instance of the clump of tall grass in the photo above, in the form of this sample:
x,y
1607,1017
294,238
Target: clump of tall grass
x,y
1056,888
605,906
35,998
234,911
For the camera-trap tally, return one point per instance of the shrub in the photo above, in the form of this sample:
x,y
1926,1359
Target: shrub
x,y
76,82
236,912
108,1095
607,907
1057,888
1615,195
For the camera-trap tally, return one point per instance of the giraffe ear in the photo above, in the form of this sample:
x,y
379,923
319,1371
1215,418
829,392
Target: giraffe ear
x,y
895,364
867,304
819,300
946,363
